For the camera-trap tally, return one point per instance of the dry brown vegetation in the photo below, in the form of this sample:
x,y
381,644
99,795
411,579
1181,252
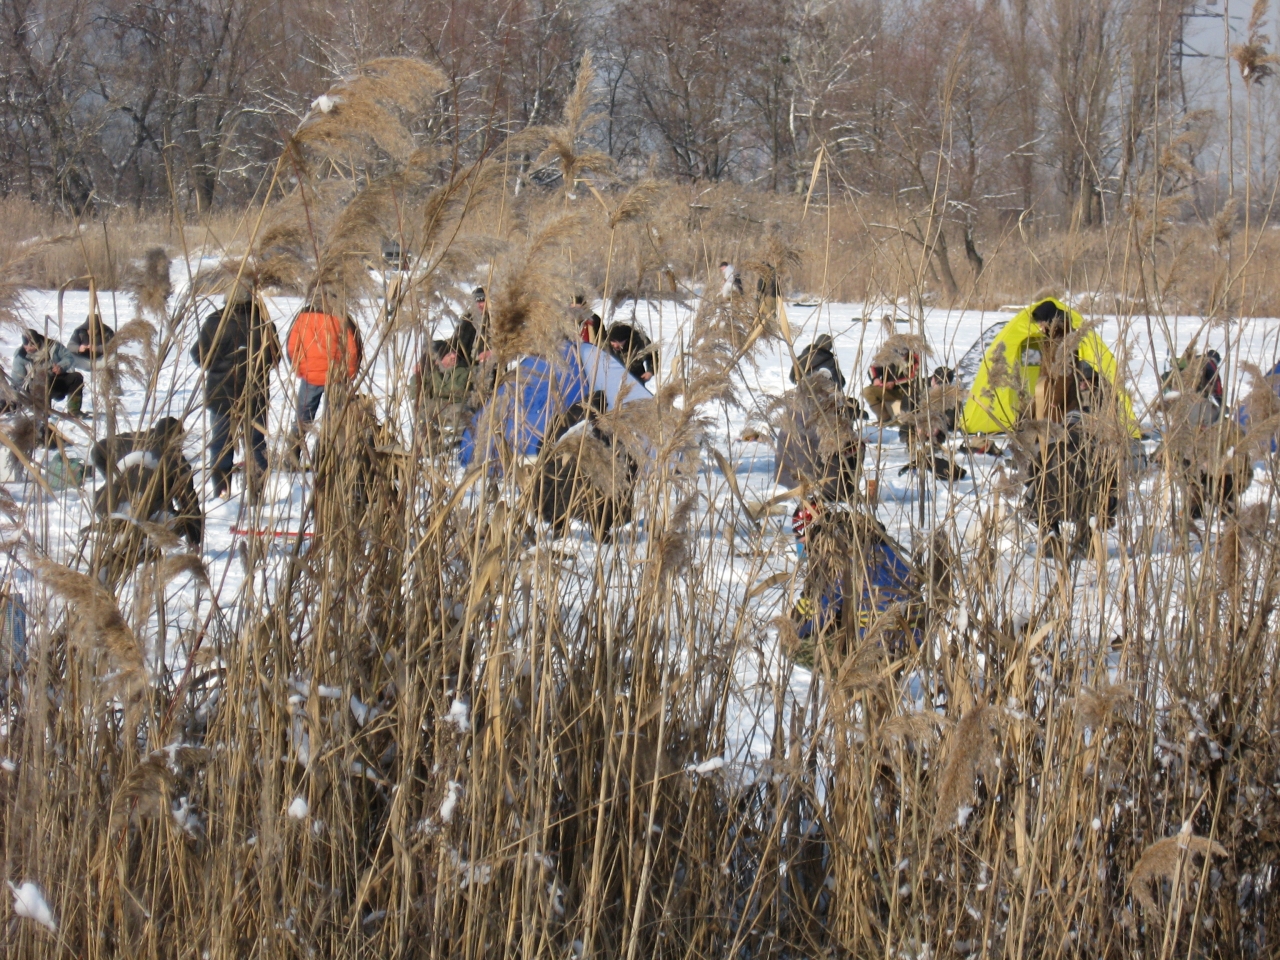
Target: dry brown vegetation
x,y
428,731
848,252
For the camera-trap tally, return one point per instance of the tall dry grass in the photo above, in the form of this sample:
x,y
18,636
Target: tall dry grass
x,y
431,731
850,250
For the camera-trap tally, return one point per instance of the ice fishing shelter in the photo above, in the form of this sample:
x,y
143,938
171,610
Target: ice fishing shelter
x,y
543,392
995,402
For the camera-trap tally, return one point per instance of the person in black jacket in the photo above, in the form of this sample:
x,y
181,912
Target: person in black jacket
x,y
633,349
146,473
238,348
469,344
819,355
89,340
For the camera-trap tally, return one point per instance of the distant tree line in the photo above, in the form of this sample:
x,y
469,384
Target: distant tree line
x,y
952,109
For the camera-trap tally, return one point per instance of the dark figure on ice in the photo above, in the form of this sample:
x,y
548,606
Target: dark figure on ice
x,y
1209,460
89,340
1072,476
633,349
584,474
818,358
469,344
238,348
896,385
819,440
857,577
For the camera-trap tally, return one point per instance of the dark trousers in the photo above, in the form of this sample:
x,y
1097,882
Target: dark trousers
x,y
222,449
65,384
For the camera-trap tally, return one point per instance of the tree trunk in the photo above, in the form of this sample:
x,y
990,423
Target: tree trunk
x,y
971,251
944,264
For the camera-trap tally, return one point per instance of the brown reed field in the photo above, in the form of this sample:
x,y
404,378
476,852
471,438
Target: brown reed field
x,y
428,731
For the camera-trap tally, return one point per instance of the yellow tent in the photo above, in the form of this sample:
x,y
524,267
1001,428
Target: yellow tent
x,y
995,408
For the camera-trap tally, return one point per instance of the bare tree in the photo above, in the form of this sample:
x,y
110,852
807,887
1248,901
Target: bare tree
x,y
49,105
684,82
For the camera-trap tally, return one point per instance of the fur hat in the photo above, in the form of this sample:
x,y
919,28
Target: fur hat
x,y
1046,312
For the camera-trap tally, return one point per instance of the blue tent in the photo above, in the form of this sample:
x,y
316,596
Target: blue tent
x,y
543,391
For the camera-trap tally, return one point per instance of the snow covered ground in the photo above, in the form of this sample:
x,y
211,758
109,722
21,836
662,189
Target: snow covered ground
x,y
57,523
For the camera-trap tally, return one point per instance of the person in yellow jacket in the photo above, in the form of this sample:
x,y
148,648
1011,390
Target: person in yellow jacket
x,y
1011,371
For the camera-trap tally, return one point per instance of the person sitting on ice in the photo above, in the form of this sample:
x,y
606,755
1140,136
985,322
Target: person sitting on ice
x,y
146,475
469,345
1196,378
89,340
857,576
1208,460
818,439
896,379
818,358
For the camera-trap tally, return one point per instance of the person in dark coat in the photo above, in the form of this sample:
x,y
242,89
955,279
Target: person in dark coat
x,y
584,473
238,348
633,349
42,369
819,355
856,576
469,344
89,340
145,473
1195,379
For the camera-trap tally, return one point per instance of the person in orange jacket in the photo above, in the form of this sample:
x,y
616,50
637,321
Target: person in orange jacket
x,y
323,349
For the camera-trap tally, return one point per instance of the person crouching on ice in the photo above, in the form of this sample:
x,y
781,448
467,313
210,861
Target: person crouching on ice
x,y
42,368
856,575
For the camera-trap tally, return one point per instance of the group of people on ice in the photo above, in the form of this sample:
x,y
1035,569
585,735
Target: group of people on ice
x,y
238,347
1046,385
1044,382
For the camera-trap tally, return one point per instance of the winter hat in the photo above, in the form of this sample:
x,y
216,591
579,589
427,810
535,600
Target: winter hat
x,y
823,341
1046,312
478,295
